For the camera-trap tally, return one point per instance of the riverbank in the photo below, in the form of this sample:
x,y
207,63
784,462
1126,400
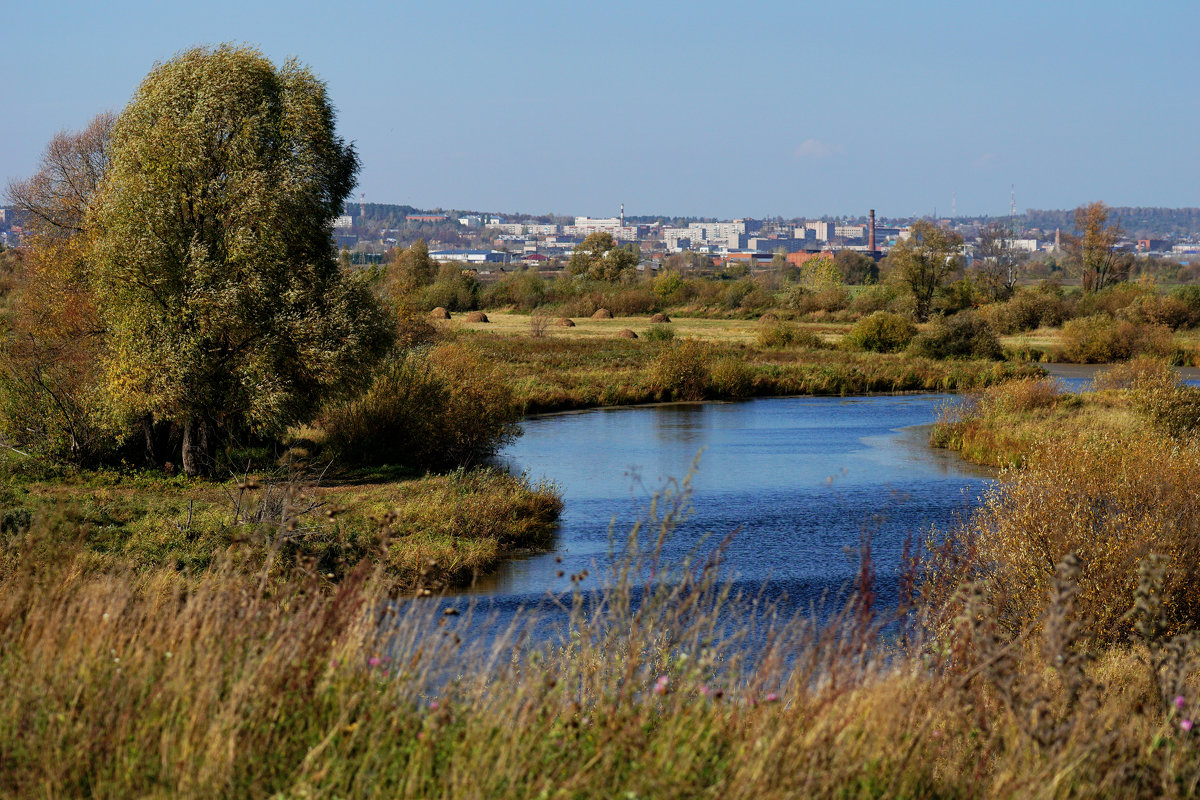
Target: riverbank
x,y
426,532
598,368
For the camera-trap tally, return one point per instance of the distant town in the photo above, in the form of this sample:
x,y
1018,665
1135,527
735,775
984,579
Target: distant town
x,y
492,242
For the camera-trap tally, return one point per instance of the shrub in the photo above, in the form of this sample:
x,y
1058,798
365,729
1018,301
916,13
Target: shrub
x,y
453,290
1137,370
736,292
755,300
964,335
957,296
1112,501
681,372
882,332
1156,309
807,301
731,377
872,299
414,328
1027,310
780,335
425,409
1100,338
1190,297
1017,396
669,288
1113,299
1160,398
659,333
523,290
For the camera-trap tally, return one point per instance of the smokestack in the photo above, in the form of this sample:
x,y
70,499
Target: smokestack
x,y
871,235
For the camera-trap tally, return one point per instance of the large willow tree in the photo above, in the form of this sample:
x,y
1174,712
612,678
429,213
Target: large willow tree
x,y
223,302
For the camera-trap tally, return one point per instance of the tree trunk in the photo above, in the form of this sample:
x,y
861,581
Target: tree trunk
x,y
197,456
151,453
189,454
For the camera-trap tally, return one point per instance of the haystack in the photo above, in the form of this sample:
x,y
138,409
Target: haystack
x,y
477,316
768,317
439,313
602,313
627,334
563,322
660,318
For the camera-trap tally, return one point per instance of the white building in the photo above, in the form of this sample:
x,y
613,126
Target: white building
x,y
472,256
824,231
514,228
344,222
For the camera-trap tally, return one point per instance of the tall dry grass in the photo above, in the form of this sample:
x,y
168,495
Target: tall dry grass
x,y
659,682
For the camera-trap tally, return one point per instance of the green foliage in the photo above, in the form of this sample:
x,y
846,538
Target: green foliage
x,y
1156,309
958,296
882,332
731,377
820,273
923,261
1190,297
669,288
658,333
857,268
833,297
681,371
1028,309
880,297
599,258
223,302
411,269
524,290
781,335
736,292
964,335
442,408
454,290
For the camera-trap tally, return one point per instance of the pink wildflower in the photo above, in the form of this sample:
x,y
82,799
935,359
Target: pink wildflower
x,y
660,686
704,690
1179,701
772,698
374,661
1186,724
434,705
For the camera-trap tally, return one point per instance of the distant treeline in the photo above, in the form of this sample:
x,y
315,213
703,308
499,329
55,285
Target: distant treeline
x,y
1140,223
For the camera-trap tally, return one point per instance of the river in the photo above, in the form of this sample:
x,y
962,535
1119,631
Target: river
x,y
796,482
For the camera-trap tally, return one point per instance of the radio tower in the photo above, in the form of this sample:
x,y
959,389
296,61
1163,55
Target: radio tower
x,y
622,215
362,205
1012,210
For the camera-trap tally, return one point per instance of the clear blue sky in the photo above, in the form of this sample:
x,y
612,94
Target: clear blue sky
x,y
726,109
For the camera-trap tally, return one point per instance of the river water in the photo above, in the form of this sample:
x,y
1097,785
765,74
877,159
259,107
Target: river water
x,y
796,481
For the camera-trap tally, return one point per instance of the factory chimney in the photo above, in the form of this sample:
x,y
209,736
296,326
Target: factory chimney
x,y
871,235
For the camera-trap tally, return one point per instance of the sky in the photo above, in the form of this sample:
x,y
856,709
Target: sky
x,y
721,109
